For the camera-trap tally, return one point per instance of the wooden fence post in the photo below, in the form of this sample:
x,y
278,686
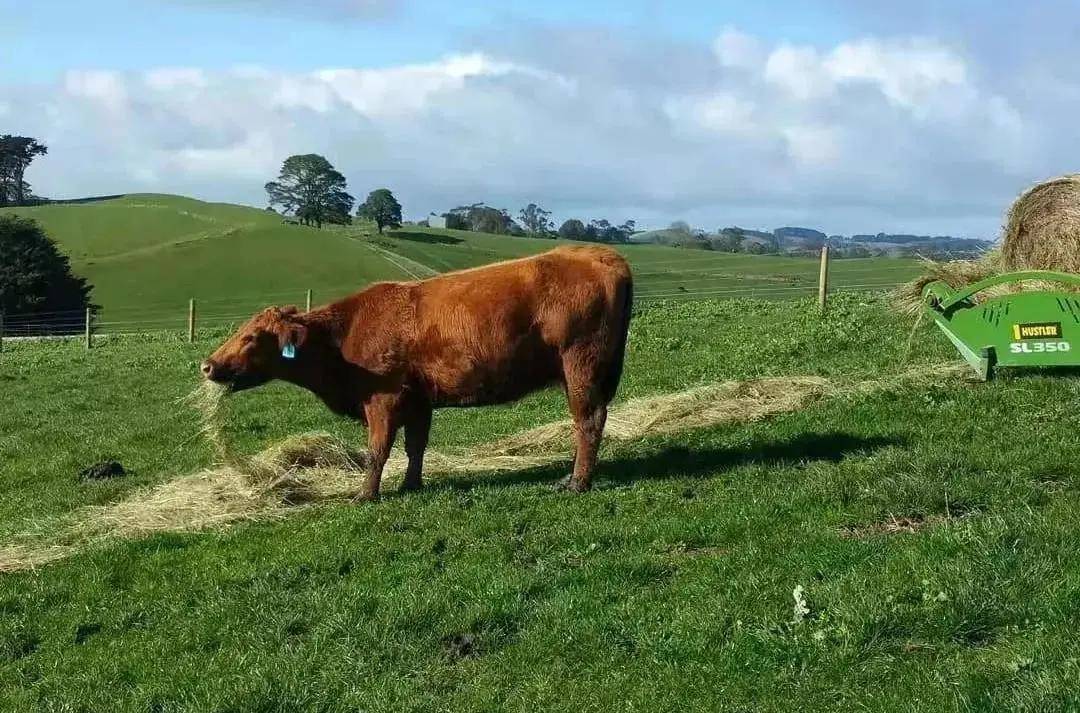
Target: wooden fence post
x,y
191,321
308,309
89,332
823,278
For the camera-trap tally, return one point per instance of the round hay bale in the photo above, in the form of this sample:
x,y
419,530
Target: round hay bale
x,y
1042,231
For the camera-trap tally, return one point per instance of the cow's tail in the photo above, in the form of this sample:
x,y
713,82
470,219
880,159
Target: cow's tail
x,y
625,302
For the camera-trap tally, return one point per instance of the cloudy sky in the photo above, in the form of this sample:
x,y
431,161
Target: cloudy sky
x,y
846,115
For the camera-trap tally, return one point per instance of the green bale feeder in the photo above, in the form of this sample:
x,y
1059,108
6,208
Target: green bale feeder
x,y
1031,329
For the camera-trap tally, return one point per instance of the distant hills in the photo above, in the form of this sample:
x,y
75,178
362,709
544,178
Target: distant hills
x,y
794,240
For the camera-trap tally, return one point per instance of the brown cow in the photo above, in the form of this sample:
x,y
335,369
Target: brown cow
x,y
391,353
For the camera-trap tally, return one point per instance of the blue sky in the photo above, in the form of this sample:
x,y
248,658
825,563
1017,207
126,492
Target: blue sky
x,y
921,116
48,38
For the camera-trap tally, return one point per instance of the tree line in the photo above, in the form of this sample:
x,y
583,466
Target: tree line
x,y
534,221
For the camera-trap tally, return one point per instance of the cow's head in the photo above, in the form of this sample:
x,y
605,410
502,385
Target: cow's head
x,y
265,348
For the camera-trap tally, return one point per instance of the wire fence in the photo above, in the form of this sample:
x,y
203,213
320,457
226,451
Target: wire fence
x,y
218,313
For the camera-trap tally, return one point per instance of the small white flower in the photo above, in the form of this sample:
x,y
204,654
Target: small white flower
x,y
801,607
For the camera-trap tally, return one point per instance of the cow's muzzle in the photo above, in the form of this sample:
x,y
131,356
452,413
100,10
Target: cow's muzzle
x,y
216,372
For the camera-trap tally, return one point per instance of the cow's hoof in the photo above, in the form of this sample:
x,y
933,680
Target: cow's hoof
x,y
569,484
366,498
410,487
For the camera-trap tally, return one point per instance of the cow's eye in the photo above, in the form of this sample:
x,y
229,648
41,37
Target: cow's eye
x,y
248,339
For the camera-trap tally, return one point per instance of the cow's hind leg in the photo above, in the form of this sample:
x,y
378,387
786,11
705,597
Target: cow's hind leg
x,y
588,409
417,429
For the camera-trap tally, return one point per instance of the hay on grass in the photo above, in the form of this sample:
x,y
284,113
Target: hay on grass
x,y
30,555
729,402
311,468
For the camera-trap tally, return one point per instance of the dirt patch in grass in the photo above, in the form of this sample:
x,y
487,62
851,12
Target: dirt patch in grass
x,y
461,646
104,470
893,525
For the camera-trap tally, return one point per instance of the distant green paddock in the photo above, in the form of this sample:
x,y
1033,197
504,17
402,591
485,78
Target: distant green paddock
x,y
148,255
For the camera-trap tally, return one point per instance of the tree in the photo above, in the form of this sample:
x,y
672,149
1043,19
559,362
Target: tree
x,y
16,155
599,231
728,240
481,219
536,220
382,208
35,277
572,229
311,189
681,226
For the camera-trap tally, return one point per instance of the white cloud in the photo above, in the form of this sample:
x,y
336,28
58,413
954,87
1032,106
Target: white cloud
x,y
812,146
799,71
174,78
721,112
907,73
106,90
737,49
253,157
872,134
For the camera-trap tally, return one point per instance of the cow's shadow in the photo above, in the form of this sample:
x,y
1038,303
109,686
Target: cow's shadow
x,y
684,462
426,237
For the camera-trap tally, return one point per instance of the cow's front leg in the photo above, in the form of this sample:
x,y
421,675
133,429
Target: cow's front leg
x,y
382,420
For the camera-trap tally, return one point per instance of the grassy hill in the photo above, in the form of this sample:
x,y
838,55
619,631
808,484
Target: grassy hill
x,y
929,522
147,255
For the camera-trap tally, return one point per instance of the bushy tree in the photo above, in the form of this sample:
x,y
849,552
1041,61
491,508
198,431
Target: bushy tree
x,y
482,219
572,229
382,208
728,241
35,277
16,155
310,188
681,226
597,231
536,220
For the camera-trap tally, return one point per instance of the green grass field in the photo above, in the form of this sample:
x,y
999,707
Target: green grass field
x,y
931,525
147,255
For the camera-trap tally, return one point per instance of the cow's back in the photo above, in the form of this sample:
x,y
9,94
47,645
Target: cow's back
x,y
495,333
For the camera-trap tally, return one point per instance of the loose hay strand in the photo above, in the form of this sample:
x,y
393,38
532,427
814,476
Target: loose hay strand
x,y
908,298
208,400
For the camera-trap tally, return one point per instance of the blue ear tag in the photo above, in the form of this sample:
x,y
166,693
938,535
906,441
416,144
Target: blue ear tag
x,y
288,351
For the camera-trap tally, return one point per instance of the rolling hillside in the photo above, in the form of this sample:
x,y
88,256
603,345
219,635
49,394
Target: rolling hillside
x,y
147,255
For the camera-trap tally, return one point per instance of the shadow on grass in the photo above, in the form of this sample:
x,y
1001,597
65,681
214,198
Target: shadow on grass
x,y
426,237
1006,373
682,462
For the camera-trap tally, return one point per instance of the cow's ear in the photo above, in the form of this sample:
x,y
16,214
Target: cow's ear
x,y
292,334
289,310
